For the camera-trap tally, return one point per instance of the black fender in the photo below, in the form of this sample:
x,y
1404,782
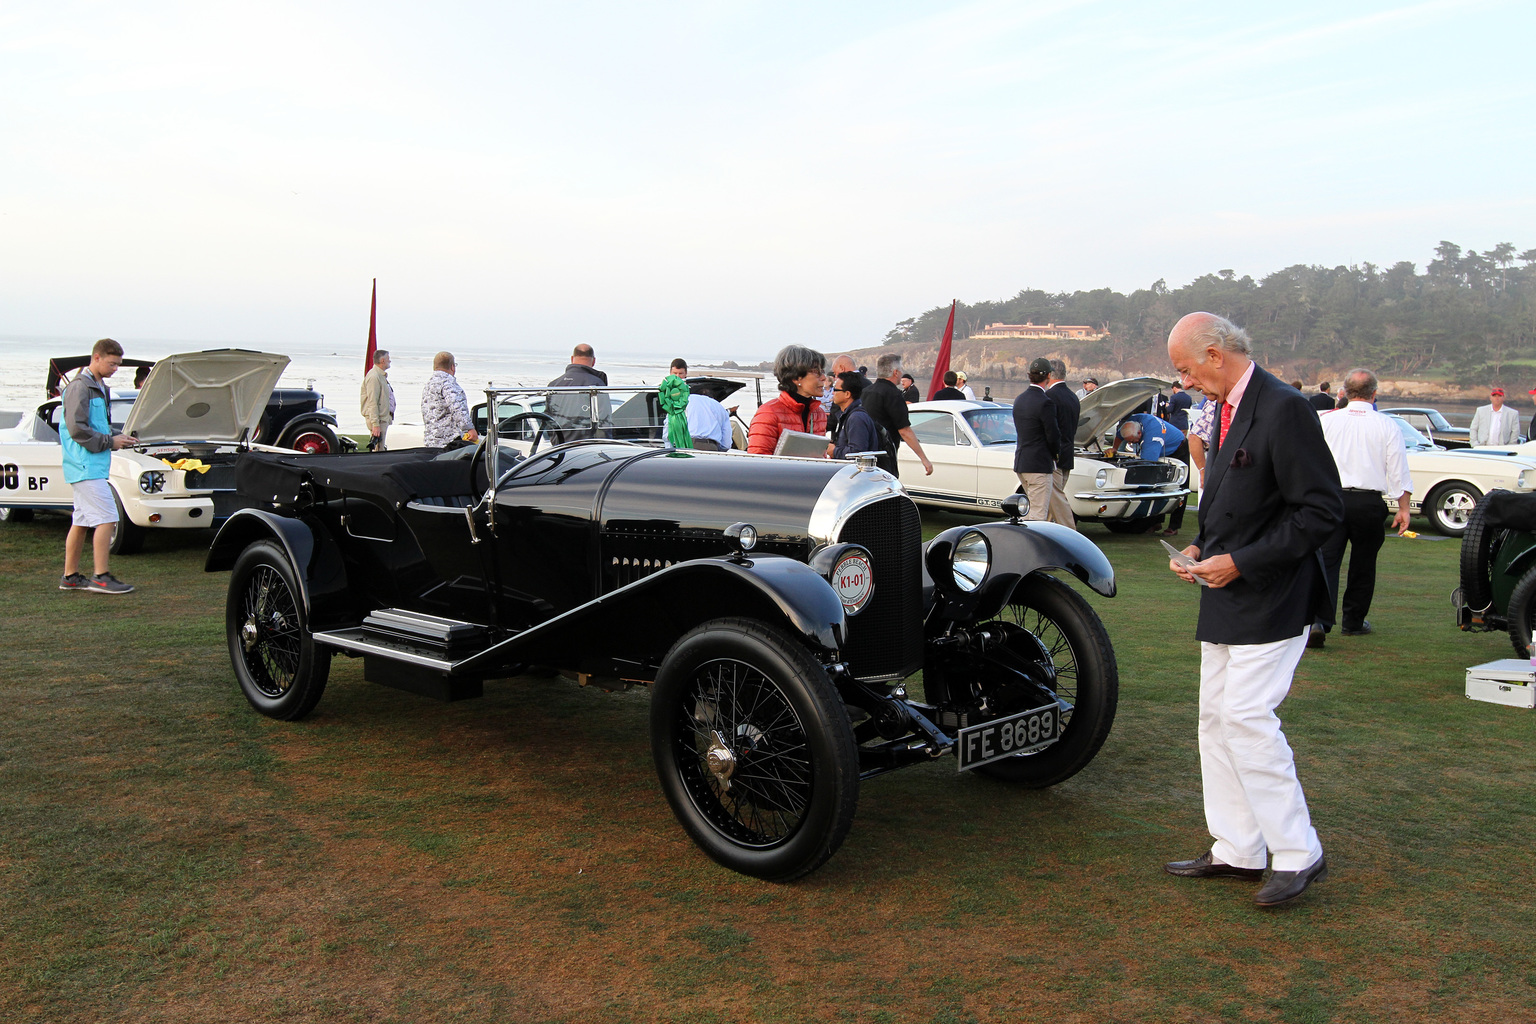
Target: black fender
x,y
310,549
308,419
633,627
1018,549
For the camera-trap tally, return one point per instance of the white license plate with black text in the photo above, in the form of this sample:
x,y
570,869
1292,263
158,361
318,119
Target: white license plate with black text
x,y
1022,733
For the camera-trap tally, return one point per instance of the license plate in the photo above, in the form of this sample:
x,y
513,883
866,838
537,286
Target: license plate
x,y
1022,733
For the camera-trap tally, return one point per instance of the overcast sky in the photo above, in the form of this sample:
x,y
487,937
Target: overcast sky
x,y
724,177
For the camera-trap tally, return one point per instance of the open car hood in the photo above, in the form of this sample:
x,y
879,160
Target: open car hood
x,y
205,396
1109,404
718,388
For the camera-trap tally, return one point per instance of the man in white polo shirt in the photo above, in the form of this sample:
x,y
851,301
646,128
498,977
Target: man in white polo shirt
x,y
1373,465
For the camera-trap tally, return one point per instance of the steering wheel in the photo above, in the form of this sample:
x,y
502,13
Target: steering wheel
x,y
516,426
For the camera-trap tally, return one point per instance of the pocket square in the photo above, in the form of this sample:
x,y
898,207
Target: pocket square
x,y
1242,460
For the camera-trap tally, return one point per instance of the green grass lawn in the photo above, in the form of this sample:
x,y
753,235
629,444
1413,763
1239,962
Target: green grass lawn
x,y
166,854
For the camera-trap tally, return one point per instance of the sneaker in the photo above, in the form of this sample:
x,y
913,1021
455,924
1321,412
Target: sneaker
x,y
74,581
106,583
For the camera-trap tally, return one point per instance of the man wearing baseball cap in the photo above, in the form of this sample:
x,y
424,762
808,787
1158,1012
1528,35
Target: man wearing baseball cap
x,y
1493,424
965,389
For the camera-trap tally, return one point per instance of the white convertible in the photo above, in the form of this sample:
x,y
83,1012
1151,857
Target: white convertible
x,y
971,447
192,414
1447,485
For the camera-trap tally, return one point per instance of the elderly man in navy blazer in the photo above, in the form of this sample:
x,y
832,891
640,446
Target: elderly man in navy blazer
x,y
1270,502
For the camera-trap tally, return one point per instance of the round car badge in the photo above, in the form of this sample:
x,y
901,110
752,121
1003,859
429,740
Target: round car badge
x,y
854,582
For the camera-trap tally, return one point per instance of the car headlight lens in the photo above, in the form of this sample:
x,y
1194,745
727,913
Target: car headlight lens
x,y
1524,479
152,481
971,560
1101,478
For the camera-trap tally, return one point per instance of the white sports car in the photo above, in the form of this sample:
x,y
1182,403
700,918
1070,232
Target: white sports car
x,y
192,413
1447,485
971,447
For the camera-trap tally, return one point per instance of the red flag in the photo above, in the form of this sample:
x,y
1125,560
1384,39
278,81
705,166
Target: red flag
x,y
373,328
941,367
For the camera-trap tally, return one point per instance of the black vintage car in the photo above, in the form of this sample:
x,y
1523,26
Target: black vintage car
x,y
1498,569
776,606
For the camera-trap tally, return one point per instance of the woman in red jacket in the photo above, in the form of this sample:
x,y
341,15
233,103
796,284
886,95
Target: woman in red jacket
x,y
801,375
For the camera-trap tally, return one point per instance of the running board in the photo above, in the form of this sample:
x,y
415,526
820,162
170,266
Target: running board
x,y
415,652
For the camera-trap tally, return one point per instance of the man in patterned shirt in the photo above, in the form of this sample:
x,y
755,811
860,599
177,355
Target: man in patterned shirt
x,y
444,409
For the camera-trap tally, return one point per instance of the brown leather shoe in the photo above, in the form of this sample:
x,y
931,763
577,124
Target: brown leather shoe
x,y
1206,866
1284,886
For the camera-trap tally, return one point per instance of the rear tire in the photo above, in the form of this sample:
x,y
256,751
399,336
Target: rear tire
x,y
1522,614
1450,507
1477,560
1066,630
15,515
280,668
754,749
313,439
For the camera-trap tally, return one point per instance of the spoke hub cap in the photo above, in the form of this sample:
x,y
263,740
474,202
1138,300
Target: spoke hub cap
x,y
721,760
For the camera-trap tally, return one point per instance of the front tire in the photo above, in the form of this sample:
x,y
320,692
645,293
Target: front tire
x,y
15,515
281,670
1450,507
1063,628
754,749
1145,525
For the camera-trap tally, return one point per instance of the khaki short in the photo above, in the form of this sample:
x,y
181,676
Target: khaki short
x,y
94,504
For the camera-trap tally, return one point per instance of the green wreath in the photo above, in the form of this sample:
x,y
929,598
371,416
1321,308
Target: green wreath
x,y
673,394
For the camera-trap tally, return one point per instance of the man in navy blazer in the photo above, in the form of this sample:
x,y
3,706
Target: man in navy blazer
x,y
1039,440
1271,499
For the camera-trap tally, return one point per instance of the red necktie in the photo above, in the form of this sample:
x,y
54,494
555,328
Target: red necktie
x,y
1226,418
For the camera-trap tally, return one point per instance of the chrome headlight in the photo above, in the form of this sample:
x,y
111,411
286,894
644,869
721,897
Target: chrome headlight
x,y
152,481
1101,478
971,560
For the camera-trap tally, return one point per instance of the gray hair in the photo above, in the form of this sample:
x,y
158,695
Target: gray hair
x,y
1130,430
1219,332
794,362
1058,369
1360,385
380,355
887,364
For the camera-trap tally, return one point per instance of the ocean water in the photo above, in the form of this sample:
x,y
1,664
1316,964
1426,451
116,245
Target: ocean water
x,y
338,375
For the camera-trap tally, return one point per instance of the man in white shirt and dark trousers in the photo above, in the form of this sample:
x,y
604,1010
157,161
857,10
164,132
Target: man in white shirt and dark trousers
x,y
1373,465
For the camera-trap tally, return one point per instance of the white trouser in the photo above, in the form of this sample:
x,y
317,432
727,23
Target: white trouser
x,y
1253,802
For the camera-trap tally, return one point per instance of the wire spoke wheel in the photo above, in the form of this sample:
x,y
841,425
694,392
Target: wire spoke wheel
x,y
269,632
279,667
1050,623
754,749
743,754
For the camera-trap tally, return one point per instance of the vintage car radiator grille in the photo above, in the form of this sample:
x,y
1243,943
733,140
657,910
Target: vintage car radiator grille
x,y
886,639
1149,473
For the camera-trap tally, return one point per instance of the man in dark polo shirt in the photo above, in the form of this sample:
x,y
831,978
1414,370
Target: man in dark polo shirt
x,y
887,406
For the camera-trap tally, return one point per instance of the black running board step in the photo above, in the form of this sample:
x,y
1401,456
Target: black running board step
x,y
451,636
